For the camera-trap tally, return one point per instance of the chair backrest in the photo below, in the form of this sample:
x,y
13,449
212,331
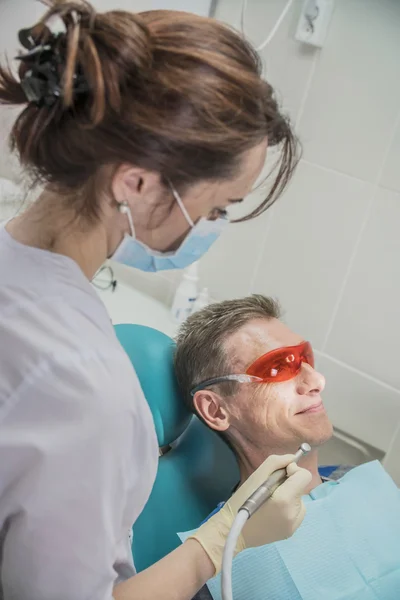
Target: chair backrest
x,y
199,470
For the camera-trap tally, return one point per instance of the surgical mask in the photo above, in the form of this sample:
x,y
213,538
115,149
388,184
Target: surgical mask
x,y
202,235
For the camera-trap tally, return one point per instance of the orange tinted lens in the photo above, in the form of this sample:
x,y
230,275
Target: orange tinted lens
x,y
308,354
282,364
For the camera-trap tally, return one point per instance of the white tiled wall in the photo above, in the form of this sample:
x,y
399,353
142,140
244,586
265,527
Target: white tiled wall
x,y
330,248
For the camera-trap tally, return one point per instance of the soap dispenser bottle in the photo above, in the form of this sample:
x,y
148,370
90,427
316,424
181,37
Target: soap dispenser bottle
x,y
186,294
202,300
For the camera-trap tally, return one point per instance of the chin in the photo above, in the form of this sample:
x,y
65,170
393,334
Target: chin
x,y
317,432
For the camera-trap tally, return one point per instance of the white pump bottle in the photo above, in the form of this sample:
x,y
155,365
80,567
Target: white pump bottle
x,y
186,294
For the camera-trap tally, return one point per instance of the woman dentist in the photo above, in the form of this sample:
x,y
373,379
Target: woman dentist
x,y
142,130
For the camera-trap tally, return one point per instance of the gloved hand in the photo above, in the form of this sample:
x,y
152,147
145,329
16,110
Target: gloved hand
x,y
276,519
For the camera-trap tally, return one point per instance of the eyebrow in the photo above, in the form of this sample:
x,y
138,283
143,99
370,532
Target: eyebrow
x,y
236,200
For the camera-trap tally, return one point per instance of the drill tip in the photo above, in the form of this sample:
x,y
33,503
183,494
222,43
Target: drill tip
x,y
305,448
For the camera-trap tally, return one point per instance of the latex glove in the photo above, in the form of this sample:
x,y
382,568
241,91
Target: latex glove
x,y
276,519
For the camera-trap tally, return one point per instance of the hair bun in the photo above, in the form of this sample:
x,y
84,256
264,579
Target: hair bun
x,y
73,51
168,91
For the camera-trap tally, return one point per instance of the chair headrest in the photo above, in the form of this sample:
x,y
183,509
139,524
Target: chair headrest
x,y
151,353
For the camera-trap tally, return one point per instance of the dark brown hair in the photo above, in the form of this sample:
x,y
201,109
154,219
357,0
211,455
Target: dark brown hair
x,y
168,91
200,345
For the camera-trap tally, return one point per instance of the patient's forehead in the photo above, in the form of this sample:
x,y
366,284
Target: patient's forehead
x,y
258,337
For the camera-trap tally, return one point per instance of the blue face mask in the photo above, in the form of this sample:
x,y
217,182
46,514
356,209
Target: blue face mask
x,y
201,236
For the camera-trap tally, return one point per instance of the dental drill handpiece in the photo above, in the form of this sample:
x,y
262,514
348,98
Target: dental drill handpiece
x,y
265,491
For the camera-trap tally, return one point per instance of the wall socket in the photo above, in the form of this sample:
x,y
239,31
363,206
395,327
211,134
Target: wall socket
x,y
314,22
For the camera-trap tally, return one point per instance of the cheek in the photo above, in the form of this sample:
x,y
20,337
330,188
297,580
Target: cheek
x,y
285,393
276,400
263,405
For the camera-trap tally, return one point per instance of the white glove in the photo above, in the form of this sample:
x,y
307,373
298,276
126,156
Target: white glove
x,y
276,519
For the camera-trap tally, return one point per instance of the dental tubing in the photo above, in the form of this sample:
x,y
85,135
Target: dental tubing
x,y
248,508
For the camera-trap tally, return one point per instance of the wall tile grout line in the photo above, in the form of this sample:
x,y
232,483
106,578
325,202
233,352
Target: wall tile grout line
x,y
389,188
307,88
272,209
336,172
259,258
357,371
360,234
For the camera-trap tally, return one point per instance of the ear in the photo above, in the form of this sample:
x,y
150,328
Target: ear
x,y
209,407
131,183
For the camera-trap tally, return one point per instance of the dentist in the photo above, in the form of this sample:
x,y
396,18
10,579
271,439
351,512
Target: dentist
x,y
142,130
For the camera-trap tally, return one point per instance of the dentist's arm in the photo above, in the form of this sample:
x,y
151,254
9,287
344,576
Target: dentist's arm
x,y
182,573
178,576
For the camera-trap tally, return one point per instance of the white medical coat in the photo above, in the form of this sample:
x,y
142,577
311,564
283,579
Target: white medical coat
x,y
78,450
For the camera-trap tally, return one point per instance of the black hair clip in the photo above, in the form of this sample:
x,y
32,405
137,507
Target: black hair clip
x,y
26,38
42,80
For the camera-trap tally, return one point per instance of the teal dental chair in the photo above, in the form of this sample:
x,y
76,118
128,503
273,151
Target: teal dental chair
x,y
195,474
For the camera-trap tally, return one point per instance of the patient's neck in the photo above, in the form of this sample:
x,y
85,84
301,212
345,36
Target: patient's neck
x,y
249,463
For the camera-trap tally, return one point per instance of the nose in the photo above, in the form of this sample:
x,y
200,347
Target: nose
x,y
309,381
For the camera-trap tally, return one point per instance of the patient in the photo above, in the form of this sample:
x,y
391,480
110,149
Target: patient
x,y
272,408
255,420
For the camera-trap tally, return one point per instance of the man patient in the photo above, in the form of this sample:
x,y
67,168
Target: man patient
x,y
252,380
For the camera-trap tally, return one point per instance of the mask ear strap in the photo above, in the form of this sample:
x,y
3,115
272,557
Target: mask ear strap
x,y
180,204
125,210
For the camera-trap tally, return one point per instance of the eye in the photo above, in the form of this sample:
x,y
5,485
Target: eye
x,y
218,213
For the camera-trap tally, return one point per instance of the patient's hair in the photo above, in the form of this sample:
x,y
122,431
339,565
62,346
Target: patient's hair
x,y
168,91
200,351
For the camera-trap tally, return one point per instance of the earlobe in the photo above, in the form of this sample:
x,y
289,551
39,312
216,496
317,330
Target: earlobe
x,y
134,184
208,406
127,183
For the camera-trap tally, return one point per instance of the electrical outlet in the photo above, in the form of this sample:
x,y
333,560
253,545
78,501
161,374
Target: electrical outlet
x,y
314,22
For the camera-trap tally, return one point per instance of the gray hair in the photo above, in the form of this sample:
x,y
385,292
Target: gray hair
x,y
200,353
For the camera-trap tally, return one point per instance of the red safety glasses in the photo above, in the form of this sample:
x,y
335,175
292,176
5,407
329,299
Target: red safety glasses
x,y
282,364
276,366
